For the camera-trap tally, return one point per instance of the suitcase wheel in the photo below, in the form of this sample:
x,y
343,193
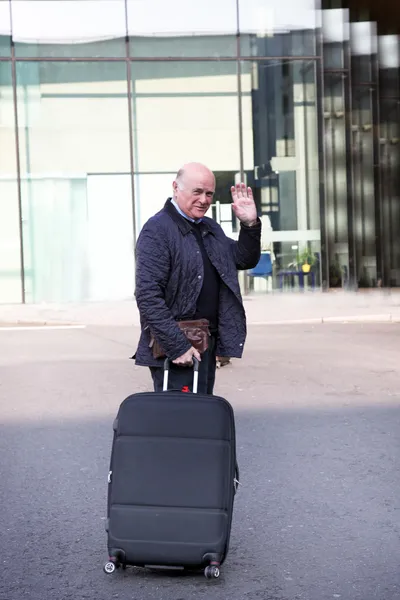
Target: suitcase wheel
x,y
109,567
211,572
115,561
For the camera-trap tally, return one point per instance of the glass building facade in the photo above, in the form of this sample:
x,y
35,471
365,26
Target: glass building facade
x,y
102,101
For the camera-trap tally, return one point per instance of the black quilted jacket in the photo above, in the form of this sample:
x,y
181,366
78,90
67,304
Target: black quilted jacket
x,y
169,271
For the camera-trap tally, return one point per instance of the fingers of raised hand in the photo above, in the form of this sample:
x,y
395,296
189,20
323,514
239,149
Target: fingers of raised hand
x,y
240,192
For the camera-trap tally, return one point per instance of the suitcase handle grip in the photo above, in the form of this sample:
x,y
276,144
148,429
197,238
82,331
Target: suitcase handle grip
x,y
195,374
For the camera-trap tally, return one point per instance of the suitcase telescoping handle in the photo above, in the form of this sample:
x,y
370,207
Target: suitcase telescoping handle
x,y
195,374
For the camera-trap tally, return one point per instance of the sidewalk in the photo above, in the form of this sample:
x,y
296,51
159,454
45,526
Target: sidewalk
x,y
268,309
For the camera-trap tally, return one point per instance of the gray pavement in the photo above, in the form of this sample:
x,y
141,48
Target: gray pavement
x,y
318,417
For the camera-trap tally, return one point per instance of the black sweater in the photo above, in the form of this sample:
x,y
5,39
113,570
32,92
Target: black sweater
x,y
208,300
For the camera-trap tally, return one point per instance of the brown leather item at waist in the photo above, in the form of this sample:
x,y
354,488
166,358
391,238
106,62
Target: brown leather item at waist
x,y
196,331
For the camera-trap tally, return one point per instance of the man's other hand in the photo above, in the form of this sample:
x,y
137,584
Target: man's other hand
x,y
186,360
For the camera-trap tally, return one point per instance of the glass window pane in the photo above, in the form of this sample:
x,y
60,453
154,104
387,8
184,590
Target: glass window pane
x,y
183,112
59,28
336,162
10,260
284,28
364,44
389,51
389,61
76,183
280,143
335,32
169,29
5,28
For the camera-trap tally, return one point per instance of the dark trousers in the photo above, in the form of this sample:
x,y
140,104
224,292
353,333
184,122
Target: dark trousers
x,y
180,377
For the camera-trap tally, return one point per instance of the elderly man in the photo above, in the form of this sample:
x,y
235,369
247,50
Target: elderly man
x,y
186,270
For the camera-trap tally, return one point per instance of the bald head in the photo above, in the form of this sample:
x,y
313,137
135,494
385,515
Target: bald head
x,y
194,188
193,170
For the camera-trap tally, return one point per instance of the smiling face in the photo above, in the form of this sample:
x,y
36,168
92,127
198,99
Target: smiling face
x,y
194,190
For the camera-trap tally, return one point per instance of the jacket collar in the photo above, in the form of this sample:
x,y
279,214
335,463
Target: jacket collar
x,y
184,225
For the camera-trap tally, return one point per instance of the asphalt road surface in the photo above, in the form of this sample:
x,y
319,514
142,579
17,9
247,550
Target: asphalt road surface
x,y
317,515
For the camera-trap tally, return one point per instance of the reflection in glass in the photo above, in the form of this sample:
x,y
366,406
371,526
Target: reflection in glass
x,y
338,175
182,112
5,29
363,48
335,32
280,141
280,152
284,28
74,137
10,257
162,29
69,28
76,193
389,86
363,41
286,265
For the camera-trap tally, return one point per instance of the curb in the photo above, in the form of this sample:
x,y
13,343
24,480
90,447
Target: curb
x,y
387,318
37,327
42,324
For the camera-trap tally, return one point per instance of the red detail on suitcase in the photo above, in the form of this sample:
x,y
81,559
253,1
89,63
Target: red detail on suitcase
x,y
185,388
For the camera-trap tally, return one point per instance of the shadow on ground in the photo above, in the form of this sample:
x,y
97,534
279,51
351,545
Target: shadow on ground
x,y
316,517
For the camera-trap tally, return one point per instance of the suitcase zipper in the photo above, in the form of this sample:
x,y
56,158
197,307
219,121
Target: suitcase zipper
x,y
109,476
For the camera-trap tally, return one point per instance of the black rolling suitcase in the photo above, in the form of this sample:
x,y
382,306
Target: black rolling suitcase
x,y
172,481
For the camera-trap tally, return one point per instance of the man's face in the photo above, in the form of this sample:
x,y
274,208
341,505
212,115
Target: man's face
x,y
194,192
